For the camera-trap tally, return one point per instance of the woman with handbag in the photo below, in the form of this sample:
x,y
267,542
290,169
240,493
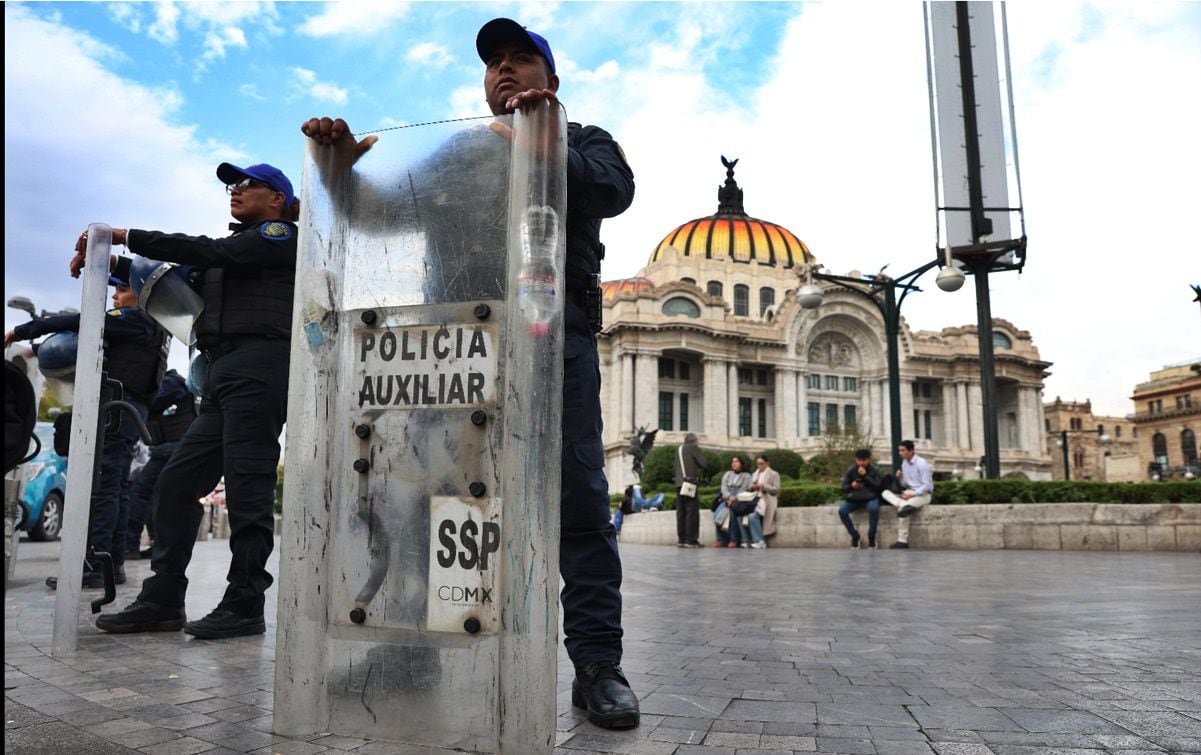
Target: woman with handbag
x,y
736,480
749,531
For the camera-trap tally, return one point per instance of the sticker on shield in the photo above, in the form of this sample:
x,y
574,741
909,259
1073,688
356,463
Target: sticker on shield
x,y
426,366
465,543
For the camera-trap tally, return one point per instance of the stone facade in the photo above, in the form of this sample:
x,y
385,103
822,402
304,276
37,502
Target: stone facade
x,y
1088,457
1167,413
709,338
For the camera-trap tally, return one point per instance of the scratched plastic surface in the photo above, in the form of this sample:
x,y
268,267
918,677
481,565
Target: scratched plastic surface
x,y
419,578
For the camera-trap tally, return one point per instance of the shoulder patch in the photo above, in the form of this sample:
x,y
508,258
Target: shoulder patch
x,y
115,312
276,231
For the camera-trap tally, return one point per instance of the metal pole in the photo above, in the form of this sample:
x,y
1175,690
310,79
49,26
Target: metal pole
x,y
981,227
892,327
1063,442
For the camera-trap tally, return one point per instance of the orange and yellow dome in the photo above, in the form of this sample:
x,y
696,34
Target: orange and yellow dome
x,y
612,289
731,234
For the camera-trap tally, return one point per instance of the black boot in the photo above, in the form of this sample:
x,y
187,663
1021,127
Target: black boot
x,y
141,616
602,690
222,623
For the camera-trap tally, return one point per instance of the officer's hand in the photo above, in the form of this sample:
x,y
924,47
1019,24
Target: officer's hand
x,y
524,101
328,132
9,338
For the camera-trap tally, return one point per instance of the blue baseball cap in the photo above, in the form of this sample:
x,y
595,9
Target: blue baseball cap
x,y
268,174
500,30
115,281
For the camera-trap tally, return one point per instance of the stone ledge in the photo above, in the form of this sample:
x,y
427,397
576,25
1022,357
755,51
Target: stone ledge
x,y
1028,526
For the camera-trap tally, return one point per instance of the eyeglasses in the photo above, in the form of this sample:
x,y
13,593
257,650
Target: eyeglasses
x,y
244,184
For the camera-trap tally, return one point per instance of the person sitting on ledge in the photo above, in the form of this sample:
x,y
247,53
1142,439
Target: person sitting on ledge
x,y
917,479
861,486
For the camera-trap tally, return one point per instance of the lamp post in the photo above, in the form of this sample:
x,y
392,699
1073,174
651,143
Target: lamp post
x,y
1063,444
882,291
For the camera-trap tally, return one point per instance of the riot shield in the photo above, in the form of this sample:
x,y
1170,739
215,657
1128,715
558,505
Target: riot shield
x,y
419,571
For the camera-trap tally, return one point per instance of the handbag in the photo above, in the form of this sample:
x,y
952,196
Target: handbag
x,y
688,487
745,503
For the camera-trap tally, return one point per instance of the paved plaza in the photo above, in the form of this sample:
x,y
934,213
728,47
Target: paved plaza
x,y
741,652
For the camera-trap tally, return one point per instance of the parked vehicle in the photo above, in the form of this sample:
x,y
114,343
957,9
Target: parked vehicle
x,y
44,493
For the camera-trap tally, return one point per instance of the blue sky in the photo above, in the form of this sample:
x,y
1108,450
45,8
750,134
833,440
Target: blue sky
x,y
119,113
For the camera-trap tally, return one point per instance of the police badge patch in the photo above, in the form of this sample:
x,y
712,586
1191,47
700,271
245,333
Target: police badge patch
x,y
276,231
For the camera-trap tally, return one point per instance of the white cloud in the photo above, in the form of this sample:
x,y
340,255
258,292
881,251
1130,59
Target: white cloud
x,y
306,81
429,54
357,18
166,16
215,42
126,15
251,91
67,166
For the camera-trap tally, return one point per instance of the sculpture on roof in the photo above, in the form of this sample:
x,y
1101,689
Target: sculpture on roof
x,y
729,196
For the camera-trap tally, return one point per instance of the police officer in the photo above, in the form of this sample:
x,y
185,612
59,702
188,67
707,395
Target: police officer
x,y
520,72
171,414
135,353
246,281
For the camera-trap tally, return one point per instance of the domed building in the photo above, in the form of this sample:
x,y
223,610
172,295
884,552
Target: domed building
x,y
709,338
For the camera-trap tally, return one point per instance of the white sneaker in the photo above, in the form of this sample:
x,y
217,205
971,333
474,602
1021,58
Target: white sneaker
x,y
744,545
759,544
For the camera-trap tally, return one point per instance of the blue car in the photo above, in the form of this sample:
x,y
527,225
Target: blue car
x,y
42,497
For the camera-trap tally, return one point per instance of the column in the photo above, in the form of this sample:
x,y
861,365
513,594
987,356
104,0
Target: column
x,y
732,400
625,423
976,416
646,391
715,399
785,404
875,398
1040,425
802,404
962,435
907,428
606,392
950,440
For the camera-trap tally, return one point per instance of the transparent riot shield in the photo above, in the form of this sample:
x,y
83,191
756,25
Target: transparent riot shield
x,y
419,565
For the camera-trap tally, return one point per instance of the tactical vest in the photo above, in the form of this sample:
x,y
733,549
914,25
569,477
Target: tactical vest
x,y
584,248
246,301
166,428
139,368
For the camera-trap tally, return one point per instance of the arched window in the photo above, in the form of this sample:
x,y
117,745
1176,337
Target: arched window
x,y
1001,341
1188,446
679,306
688,280
767,297
1159,448
715,288
742,300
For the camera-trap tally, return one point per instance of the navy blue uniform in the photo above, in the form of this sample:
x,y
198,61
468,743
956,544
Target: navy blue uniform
x,y
599,185
171,413
134,354
246,282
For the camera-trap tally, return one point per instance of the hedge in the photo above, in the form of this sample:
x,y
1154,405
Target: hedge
x,y
990,491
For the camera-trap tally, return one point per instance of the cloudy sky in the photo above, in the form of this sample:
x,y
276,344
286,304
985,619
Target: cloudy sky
x,y
119,113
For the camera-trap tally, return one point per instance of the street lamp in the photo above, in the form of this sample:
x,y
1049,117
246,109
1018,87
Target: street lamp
x,y
882,291
1063,444
980,468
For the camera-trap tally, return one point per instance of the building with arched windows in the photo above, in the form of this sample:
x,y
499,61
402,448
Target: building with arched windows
x,y
1167,413
709,338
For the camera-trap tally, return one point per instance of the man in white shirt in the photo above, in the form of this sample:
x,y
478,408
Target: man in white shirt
x,y
918,480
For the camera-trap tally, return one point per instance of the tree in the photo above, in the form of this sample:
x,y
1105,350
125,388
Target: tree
x,y
838,452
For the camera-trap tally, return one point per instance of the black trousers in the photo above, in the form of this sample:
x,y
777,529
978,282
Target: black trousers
x,y
588,559
688,518
236,434
141,495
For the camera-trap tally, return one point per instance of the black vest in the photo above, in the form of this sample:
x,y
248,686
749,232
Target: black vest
x,y
165,428
584,248
139,368
246,301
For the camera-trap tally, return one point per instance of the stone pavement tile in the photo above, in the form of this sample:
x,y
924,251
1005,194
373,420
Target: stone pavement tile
x,y
685,705
732,739
238,713
787,742
17,716
181,746
902,747
961,748
865,714
1153,725
1040,739
766,710
703,750
745,727
789,729
336,742
118,726
895,733
843,731
233,736
960,717
59,737
1123,742
208,704
291,748
677,736
144,737
685,722
840,745
1024,750
185,721
1062,721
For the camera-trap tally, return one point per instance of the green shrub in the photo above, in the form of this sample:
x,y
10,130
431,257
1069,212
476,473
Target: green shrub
x,y
783,461
1029,491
